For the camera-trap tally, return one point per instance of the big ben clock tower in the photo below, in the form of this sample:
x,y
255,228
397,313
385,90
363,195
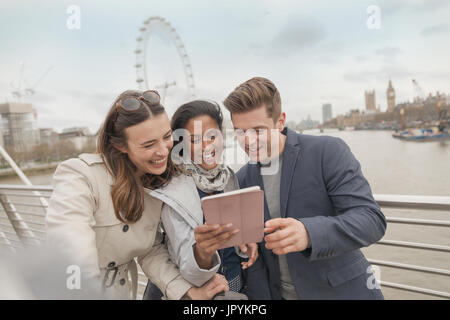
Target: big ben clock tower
x,y
390,93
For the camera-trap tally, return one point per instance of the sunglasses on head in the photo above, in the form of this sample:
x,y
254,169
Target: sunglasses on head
x,y
150,97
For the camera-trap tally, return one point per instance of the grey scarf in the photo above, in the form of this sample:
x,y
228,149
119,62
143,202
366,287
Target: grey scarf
x,y
208,180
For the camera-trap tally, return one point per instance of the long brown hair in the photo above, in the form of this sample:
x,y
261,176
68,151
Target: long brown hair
x,y
127,191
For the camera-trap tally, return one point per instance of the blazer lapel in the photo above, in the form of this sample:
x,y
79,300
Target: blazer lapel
x,y
255,174
290,156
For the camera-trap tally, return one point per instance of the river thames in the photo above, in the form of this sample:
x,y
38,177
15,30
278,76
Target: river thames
x,y
391,166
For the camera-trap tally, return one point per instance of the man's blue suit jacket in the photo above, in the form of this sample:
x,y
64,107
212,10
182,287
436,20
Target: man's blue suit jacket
x,y
322,186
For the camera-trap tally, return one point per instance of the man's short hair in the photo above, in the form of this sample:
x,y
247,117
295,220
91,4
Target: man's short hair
x,y
253,94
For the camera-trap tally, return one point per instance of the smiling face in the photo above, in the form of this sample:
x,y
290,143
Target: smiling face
x,y
149,144
257,133
205,140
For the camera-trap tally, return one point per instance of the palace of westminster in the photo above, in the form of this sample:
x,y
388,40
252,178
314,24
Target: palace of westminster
x,y
420,110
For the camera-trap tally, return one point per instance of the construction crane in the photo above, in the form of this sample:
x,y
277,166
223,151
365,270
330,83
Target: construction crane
x,y
420,94
18,92
31,90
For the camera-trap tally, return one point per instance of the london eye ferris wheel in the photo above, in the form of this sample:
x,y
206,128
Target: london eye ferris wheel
x,y
144,77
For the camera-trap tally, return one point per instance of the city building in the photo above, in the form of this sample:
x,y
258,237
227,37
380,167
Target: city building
x,y
19,129
307,123
370,101
390,95
327,113
304,124
48,136
80,137
418,112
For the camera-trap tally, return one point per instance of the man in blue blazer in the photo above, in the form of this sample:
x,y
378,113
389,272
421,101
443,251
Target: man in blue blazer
x,y
319,209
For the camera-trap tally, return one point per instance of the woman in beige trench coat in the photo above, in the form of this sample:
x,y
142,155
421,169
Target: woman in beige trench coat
x,y
101,214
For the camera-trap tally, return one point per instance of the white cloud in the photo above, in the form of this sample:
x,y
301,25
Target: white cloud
x,y
388,52
442,28
298,34
314,52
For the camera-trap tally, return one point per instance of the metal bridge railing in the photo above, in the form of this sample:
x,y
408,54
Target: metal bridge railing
x,y
22,220
414,202
22,223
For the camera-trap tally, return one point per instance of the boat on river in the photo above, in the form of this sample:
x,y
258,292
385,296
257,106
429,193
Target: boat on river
x,y
432,134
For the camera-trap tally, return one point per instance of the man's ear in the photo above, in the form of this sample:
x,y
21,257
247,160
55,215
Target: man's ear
x,y
121,148
281,121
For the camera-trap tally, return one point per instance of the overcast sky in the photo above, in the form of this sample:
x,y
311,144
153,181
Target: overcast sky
x,y
316,52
